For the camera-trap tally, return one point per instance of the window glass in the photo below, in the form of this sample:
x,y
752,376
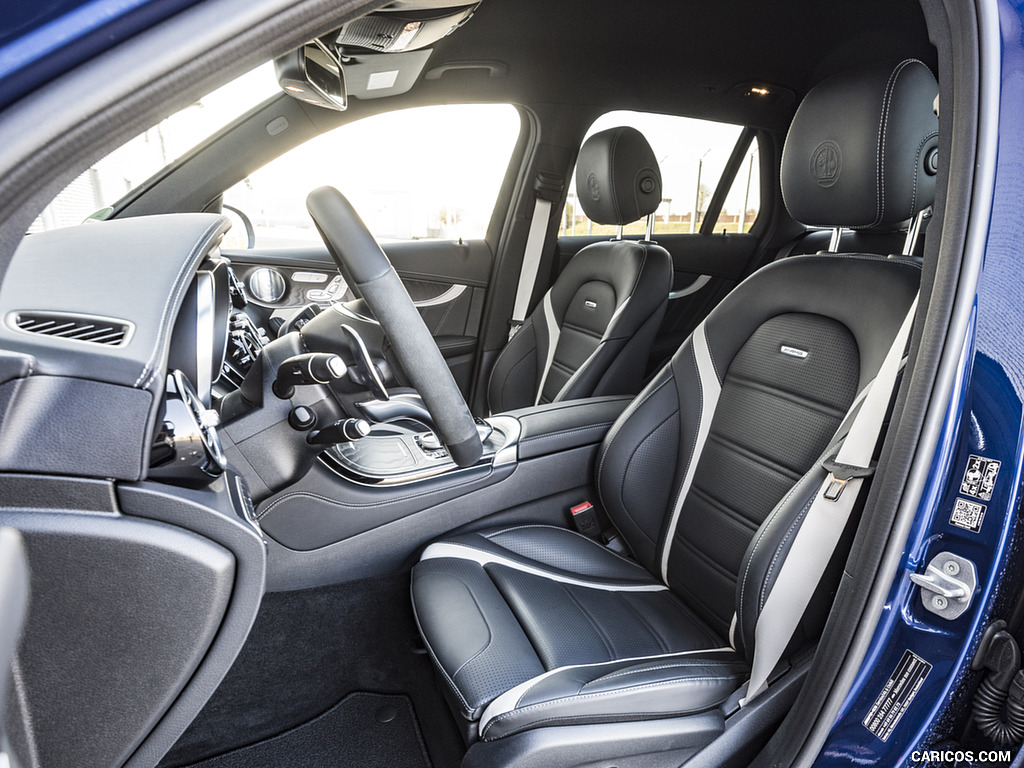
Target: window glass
x,y
111,178
744,199
691,154
422,173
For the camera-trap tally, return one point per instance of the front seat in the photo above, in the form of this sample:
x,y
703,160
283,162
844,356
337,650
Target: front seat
x,y
540,634
592,332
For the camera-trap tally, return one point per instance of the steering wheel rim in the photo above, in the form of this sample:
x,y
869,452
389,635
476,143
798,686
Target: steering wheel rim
x,y
365,266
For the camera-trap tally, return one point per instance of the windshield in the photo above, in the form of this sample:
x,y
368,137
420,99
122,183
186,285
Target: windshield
x,y
109,179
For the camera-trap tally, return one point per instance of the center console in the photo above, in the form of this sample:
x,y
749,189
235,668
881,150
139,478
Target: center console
x,y
401,453
391,492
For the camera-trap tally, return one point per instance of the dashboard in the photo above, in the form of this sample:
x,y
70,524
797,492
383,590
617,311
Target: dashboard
x,y
90,406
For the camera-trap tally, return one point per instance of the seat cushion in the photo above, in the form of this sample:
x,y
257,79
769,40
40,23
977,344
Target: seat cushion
x,y
506,608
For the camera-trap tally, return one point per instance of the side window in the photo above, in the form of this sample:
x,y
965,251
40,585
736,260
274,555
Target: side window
x,y
744,199
692,155
422,173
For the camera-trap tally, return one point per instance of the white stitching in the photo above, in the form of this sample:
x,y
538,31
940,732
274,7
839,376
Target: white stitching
x,y
764,532
350,505
883,120
917,168
562,432
626,415
681,664
585,696
574,533
197,249
686,467
797,522
437,662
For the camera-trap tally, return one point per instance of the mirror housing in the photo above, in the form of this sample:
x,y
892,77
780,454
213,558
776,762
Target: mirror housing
x,y
313,73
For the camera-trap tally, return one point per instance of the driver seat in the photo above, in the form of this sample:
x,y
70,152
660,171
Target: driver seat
x,y
592,332
556,650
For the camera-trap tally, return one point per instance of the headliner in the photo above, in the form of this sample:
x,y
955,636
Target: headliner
x,y
675,56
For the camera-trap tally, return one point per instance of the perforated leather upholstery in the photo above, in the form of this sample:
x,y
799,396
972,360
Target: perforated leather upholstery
x,y
707,475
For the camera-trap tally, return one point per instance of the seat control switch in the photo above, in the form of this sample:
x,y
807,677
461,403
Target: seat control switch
x,y
947,585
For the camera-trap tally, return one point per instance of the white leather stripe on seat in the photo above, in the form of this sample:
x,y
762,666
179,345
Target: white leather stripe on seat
x,y
710,390
554,331
463,552
590,358
509,700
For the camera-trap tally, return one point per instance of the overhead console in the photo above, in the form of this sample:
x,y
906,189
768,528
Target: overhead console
x,y
404,26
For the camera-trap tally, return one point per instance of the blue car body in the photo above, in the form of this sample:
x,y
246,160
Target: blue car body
x,y
40,41
983,418
984,414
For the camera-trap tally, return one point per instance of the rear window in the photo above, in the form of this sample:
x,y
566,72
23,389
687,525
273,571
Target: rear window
x,y
692,155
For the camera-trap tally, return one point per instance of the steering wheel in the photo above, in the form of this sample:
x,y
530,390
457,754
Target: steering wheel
x,y
366,267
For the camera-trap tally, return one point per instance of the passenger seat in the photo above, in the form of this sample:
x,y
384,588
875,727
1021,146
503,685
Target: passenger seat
x,y
539,633
592,332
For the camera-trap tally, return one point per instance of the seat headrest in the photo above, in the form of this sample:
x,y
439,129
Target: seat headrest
x,y
617,177
862,149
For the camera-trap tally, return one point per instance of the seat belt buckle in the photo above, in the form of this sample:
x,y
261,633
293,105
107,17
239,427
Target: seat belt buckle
x,y
835,487
840,475
584,518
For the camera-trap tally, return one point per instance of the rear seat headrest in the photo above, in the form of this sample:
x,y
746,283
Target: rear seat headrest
x,y
617,177
862,149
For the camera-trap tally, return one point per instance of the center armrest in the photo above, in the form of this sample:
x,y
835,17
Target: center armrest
x,y
571,424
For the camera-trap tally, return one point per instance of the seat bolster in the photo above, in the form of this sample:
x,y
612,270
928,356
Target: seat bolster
x,y
547,550
515,374
627,689
471,634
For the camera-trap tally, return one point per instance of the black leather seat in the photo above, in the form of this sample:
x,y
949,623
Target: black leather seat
x,y
706,475
592,332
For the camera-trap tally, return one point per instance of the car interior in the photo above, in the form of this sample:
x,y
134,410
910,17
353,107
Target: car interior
x,y
528,498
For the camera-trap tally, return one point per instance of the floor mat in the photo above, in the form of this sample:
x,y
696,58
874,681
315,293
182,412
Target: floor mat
x,y
369,730
310,649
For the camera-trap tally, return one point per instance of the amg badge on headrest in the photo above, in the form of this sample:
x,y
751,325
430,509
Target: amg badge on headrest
x,y
793,351
826,163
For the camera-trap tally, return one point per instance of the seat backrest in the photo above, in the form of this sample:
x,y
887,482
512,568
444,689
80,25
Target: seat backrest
x,y
743,414
592,332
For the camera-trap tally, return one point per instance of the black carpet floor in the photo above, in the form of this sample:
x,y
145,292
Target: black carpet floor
x,y
307,652
365,729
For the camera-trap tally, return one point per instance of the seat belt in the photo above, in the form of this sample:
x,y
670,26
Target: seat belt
x,y
548,188
823,525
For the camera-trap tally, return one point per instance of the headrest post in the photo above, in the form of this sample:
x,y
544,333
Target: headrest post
x,y
833,243
914,231
618,231
649,236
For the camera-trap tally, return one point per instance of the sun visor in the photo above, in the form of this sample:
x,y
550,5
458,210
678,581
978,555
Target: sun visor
x,y
377,75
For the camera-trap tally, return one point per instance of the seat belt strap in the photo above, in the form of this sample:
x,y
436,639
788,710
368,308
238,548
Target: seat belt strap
x,y
824,522
548,188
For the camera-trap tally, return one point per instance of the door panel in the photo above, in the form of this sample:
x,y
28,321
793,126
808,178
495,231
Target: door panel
x,y
446,280
14,586
705,269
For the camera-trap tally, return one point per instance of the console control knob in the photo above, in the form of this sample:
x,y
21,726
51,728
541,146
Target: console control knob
x,y
302,418
341,431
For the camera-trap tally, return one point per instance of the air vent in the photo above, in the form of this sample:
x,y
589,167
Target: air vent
x,y
97,330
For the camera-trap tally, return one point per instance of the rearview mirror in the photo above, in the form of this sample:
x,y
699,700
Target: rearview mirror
x,y
313,73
